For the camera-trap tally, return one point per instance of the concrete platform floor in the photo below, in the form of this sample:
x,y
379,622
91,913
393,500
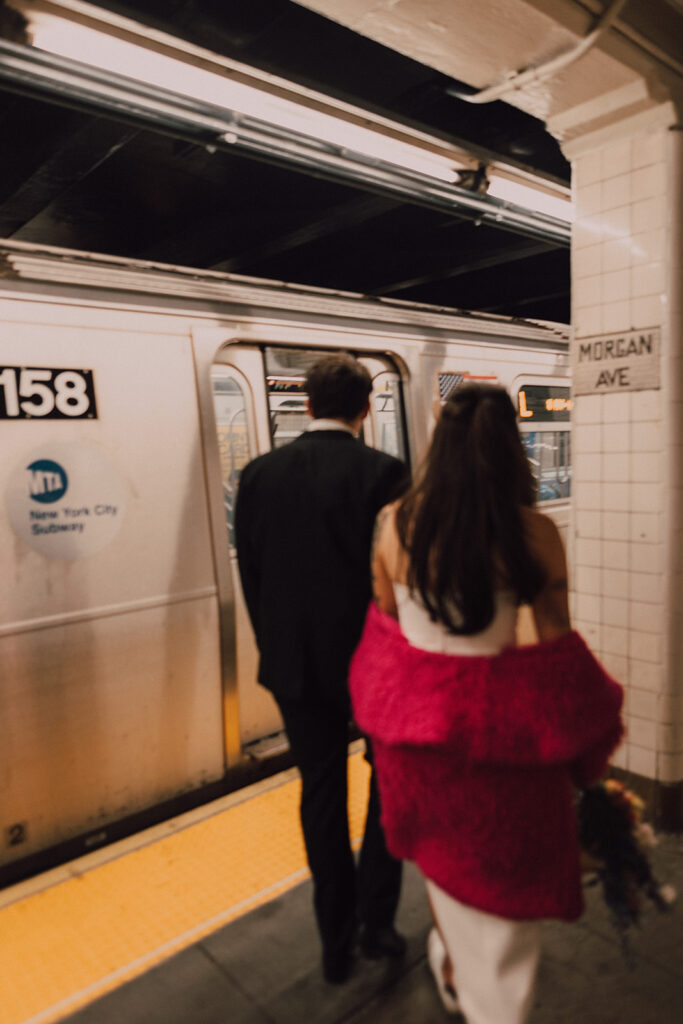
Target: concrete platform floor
x,y
264,969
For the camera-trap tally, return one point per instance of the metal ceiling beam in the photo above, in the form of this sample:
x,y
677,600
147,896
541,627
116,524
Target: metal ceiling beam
x,y
59,80
72,161
339,218
469,266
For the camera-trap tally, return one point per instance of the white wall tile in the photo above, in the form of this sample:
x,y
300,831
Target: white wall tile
x,y
614,640
586,291
616,467
588,262
616,286
617,666
615,496
617,254
645,586
646,675
647,181
641,733
645,646
587,607
616,156
616,408
646,405
646,467
587,409
616,526
641,761
646,437
617,222
615,612
645,526
587,169
647,215
646,311
591,633
587,579
616,316
589,524
647,618
587,321
646,150
586,495
617,191
587,438
615,554
647,280
587,466
646,558
615,583
616,437
646,497
585,232
646,247
588,200
587,552
642,704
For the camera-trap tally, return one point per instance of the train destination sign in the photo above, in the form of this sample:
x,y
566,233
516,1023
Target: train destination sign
x,y
543,403
616,362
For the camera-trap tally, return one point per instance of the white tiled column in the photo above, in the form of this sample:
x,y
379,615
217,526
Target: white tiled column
x,y
626,545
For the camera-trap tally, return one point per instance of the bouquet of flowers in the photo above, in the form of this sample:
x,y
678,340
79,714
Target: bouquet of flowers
x,y
614,842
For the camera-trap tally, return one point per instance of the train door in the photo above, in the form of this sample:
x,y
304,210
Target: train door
x,y
259,403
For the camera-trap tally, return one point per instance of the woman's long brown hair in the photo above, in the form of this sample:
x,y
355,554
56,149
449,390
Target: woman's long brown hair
x,y
461,521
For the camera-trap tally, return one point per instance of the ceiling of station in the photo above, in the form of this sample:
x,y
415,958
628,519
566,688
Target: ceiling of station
x,y
83,180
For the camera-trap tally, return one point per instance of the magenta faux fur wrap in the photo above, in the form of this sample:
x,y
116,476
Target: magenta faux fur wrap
x,y
477,759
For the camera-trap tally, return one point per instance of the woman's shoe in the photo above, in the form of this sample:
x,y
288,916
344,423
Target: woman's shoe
x,y
436,955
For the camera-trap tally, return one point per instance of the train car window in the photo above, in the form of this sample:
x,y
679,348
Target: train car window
x,y
285,373
544,422
235,445
386,412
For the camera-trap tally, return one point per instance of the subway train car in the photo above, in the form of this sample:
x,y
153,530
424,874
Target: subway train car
x,y
131,395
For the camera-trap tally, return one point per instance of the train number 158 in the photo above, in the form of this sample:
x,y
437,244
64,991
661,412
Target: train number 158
x,y
28,392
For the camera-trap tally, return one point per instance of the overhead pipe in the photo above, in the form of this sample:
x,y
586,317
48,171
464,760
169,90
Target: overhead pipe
x,y
543,71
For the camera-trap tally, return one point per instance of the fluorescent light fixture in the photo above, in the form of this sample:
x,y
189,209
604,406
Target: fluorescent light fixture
x,y
78,42
529,197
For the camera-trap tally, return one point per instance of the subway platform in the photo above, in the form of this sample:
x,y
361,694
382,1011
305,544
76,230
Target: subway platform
x,y
207,920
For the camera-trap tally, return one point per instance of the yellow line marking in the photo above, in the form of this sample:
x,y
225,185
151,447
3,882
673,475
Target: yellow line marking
x,y
62,947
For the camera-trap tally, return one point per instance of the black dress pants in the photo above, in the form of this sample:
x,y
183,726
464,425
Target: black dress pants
x,y
343,897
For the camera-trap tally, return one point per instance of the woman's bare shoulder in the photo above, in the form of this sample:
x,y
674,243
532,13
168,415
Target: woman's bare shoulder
x,y
544,539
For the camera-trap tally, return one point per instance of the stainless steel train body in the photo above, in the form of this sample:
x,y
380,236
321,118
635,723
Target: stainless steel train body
x,y
130,396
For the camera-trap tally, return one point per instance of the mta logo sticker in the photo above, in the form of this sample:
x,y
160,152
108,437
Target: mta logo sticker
x,y
48,481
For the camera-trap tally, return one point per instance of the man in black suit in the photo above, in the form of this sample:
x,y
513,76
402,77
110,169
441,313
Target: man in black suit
x,y
303,524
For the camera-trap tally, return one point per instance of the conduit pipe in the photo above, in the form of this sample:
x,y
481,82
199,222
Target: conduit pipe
x,y
543,71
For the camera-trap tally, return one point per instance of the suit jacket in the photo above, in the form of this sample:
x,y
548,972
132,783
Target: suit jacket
x,y
303,527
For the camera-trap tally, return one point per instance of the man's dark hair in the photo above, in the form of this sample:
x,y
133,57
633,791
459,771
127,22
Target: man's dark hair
x,y
338,387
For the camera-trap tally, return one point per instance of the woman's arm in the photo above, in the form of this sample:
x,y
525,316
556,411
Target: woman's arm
x,y
551,607
382,588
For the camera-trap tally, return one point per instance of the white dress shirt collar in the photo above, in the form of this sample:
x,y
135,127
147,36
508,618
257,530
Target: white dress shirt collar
x,y
325,424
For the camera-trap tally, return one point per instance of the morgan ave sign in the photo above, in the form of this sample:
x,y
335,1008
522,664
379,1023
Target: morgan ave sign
x,y
616,362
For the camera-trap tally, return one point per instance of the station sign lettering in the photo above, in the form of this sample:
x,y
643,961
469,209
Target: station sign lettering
x,y
41,392
616,362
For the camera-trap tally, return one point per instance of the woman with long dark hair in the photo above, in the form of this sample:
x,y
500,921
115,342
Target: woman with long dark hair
x,y
478,744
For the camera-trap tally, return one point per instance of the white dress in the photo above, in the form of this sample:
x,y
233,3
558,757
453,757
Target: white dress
x,y
494,959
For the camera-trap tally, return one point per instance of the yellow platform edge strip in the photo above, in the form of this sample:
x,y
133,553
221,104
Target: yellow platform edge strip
x,y
66,945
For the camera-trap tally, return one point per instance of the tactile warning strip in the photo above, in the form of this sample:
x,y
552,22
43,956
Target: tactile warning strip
x,y
68,944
